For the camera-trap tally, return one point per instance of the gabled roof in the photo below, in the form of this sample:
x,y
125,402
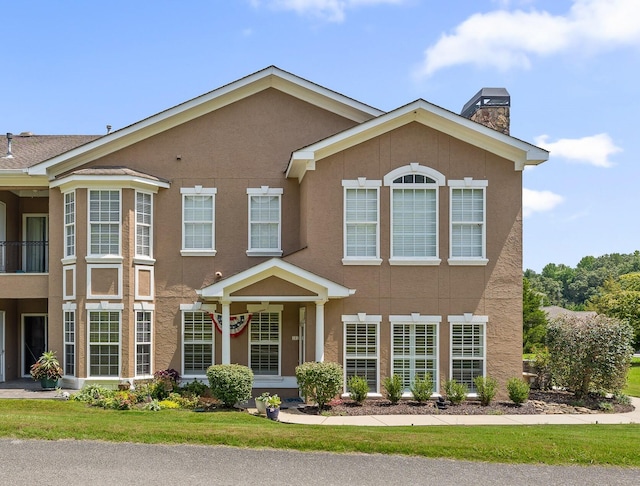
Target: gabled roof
x,y
421,111
322,288
271,77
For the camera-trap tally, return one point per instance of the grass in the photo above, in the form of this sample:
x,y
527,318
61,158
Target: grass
x,y
546,444
633,379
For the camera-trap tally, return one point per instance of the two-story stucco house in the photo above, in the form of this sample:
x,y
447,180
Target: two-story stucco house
x,y
269,222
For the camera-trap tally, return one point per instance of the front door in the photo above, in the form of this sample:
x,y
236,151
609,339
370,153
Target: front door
x,y
34,339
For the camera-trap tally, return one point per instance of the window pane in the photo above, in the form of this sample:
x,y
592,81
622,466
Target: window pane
x,y
414,223
264,224
198,222
264,335
197,342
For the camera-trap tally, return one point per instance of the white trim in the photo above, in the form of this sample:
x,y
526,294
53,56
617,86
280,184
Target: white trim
x,y
71,309
361,318
66,296
415,261
468,318
359,184
468,183
90,223
362,261
68,261
104,307
143,306
2,341
271,309
149,343
195,309
144,225
23,372
415,317
261,192
66,225
273,381
414,168
152,291
265,307
193,192
93,181
104,259
69,306
91,295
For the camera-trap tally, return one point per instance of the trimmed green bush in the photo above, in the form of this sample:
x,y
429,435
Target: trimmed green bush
x,y
456,392
358,389
486,389
422,387
230,383
393,388
320,382
518,390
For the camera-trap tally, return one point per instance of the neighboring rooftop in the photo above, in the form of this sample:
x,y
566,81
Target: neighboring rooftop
x,y
28,149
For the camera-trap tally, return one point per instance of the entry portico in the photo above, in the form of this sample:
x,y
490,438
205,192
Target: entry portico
x,y
273,281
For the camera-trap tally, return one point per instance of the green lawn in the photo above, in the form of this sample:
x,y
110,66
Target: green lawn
x,y
633,379
580,444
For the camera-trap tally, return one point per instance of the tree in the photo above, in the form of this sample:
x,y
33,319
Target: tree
x,y
589,353
534,320
620,298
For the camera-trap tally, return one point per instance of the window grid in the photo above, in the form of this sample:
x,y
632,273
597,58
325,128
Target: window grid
x,y
198,213
143,224
104,343
197,337
361,352
361,222
70,343
264,343
467,352
414,226
414,351
264,222
69,224
467,223
143,343
104,221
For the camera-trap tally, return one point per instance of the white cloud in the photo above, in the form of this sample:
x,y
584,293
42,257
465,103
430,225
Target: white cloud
x,y
506,39
594,150
539,201
331,10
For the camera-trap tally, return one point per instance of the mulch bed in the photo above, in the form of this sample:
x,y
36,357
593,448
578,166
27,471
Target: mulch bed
x,y
540,402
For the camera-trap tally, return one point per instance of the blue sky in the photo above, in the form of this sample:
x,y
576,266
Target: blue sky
x,y
571,67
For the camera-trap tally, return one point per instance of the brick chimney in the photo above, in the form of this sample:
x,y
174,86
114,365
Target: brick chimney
x,y
490,107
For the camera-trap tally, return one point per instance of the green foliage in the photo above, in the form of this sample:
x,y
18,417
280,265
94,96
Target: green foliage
x,y
518,390
358,389
620,298
47,367
230,383
542,368
589,353
273,401
196,387
486,389
393,387
319,382
455,392
422,387
91,394
534,320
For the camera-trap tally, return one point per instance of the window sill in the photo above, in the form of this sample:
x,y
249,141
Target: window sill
x,y
68,260
477,262
362,261
190,253
144,260
104,259
369,395
415,261
264,253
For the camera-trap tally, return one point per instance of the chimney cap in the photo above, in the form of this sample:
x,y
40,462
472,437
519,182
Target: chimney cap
x,y
486,97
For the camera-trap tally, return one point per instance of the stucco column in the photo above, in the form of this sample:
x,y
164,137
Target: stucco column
x,y
226,333
320,330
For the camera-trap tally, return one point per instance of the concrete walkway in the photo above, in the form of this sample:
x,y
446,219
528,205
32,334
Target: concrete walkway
x,y
27,388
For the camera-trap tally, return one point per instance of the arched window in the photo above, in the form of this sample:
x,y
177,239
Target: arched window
x,y
414,214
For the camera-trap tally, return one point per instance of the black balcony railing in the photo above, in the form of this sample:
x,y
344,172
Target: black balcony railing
x,y
24,256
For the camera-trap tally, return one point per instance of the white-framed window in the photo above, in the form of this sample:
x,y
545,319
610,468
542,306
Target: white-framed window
x,y
104,222
198,221
468,348
468,222
361,222
104,343
197,343
69,317
69,224
414,214
414,348
144,325
265,216
264,341
361,349
144,224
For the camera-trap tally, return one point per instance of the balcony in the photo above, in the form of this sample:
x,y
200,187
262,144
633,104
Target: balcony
x,y
24,256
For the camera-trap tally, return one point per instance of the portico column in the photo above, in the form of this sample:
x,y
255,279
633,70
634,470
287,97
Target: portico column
x,y
320,330
226,333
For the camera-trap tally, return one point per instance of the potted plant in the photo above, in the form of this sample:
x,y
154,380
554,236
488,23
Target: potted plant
x,y
273,407
47,370
261,403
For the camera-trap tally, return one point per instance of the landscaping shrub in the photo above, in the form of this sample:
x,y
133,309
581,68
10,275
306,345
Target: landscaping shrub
x,y
358,389
319,382
456,392
422,387
230,383
589,354
196,388
393,388
486,389
542,368
518,390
